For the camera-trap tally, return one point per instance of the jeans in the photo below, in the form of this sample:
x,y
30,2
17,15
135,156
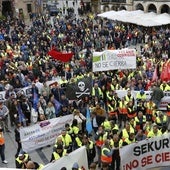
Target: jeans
x,y
99,155
2,152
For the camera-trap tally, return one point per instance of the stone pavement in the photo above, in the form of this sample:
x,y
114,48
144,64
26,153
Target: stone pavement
x,y
41,156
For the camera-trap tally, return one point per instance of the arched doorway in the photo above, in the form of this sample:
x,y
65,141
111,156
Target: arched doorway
x,y
7,8
139,7
122,8
165,9
106,8
115,7
152,8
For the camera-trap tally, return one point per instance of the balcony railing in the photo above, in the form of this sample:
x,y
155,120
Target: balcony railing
x,y
113,1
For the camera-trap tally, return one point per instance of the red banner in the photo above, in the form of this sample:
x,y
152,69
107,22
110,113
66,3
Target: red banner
x,y
63,57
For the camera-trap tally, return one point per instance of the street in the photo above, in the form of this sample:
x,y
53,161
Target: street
x,y
40,156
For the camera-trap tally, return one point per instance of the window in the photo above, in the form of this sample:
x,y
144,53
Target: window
x,y
29,8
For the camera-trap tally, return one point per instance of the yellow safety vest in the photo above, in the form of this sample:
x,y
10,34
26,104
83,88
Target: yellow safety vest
x,y
21,161
66,140
159,121
107,125
152,134
57,156
129,141
139,96
41,166
75,130
99,90
125,133
104,158
112,143
78,141
137,119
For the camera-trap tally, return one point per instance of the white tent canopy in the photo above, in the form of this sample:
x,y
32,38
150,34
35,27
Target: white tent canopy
x,y
138,17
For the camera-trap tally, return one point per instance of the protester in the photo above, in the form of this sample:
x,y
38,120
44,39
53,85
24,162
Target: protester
x,y
2,147
34,165
18,138
24,62
22,160
58,153
4,116
157,95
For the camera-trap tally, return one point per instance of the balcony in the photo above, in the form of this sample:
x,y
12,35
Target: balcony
x,y
113,1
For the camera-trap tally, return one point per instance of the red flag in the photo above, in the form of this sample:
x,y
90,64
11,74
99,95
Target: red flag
x,y
155,75
63,57
164,74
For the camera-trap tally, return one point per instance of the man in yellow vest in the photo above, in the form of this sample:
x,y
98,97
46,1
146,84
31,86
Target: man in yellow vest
x,y
2,146
67,141
22,160
129,140
100,137
161,120
116,143
90,148
141,95
34,165
154,132
58,153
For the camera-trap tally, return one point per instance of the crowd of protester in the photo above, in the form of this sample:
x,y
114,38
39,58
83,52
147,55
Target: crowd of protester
x,y
116,122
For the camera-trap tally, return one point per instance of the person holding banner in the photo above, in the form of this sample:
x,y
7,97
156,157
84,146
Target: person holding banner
x,y
129,140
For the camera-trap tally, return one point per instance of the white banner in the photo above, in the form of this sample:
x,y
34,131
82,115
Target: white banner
x,y
164,102
79,156
114,59
43,133
149,153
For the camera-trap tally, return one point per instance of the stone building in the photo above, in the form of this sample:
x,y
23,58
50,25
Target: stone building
x,y
20,7
157,6
25,7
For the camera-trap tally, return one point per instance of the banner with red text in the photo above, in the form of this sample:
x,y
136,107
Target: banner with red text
x,y
114,59
78,156
43,133
149,153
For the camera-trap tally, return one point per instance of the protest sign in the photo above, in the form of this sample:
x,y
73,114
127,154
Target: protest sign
x,y
149,153
43,133
114,59
79,156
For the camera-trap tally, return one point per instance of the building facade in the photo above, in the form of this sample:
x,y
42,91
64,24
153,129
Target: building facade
x,y
25,7
157,6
